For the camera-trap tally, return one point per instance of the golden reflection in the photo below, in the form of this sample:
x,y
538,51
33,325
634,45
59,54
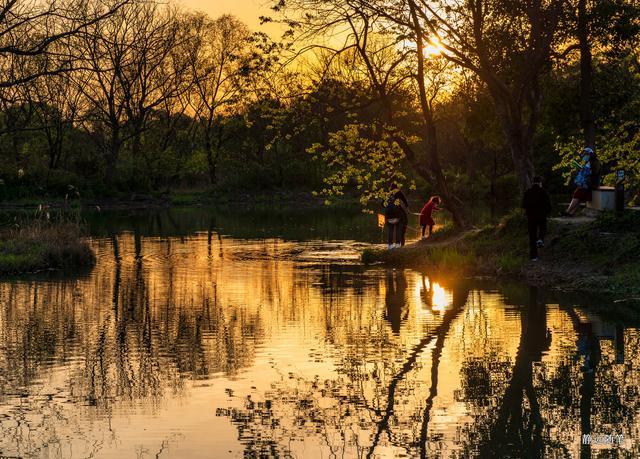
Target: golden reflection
x,y
441,300
209,344
432,295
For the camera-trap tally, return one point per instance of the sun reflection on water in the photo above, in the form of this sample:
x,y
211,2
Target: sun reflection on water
x,y
432,295
200,345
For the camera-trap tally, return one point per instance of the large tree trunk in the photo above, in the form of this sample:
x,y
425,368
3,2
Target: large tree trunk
x,y
434,167
52,148
509,432
438,180
432,171
586,78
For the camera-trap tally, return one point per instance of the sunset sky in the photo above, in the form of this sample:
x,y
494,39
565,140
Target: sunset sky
x,y
247,10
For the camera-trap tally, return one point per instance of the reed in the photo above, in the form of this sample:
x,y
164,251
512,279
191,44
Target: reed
x,y
38,244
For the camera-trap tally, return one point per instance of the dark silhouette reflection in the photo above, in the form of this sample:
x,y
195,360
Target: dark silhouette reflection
x,y
460,296
127,334
459,300
521,408
366,397
342,360
589,352
518,429
396,298
240,222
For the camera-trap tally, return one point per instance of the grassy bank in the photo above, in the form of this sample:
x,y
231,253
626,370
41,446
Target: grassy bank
x,y
37,246
601,255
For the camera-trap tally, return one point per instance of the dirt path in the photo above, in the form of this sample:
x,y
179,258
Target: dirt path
x,y
579,220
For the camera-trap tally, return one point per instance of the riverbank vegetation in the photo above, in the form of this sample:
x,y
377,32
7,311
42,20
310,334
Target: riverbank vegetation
x,y
351,97
467,100
39,245
602,255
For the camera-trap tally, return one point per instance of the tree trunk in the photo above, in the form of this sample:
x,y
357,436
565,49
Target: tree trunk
x,y
12,124
440,183
136,145
112,158
521,154
211,160
212,167
519,136
454,205
586,78
493,193
431,172
51,144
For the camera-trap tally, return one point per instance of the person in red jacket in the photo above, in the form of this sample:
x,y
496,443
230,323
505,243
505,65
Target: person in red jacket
x,y
426,215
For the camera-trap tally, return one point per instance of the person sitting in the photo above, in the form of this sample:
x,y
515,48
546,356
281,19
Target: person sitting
x,y
537,206
426,215
587,180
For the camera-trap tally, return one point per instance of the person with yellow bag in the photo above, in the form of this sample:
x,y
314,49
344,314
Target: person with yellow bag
x,y
395,214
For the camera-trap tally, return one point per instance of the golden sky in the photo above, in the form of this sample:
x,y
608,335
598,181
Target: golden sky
x,y
248,11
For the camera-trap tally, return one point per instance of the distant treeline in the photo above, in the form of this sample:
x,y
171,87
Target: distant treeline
x,y
102,97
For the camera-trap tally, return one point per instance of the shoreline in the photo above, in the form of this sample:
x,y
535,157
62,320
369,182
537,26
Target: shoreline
x,y
599,255
139,201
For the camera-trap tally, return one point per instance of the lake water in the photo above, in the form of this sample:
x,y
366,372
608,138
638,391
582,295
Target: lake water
x,y
201,334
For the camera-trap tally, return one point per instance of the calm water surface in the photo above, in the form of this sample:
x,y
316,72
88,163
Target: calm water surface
x,y
200,335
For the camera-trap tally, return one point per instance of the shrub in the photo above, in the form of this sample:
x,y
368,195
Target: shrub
x,y
41,245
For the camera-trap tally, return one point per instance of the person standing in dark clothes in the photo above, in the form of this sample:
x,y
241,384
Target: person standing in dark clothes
x,y
397,204
537,205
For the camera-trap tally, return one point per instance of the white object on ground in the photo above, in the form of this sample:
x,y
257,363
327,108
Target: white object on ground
x,y
603,198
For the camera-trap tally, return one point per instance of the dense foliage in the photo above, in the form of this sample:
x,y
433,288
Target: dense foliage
x,y
149,98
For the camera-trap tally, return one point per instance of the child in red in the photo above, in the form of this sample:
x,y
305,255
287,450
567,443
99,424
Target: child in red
x,y
426,213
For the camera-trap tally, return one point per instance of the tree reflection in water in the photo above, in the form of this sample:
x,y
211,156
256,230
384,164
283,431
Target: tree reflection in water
x,y
518,408
136,346
314,355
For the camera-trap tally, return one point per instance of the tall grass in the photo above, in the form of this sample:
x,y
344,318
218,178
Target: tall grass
x,y
451,257
44,242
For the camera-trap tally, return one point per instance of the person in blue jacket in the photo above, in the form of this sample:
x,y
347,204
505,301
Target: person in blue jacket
x,y
587,179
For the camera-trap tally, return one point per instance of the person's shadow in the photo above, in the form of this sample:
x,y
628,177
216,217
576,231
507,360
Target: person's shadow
x,y
396,299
